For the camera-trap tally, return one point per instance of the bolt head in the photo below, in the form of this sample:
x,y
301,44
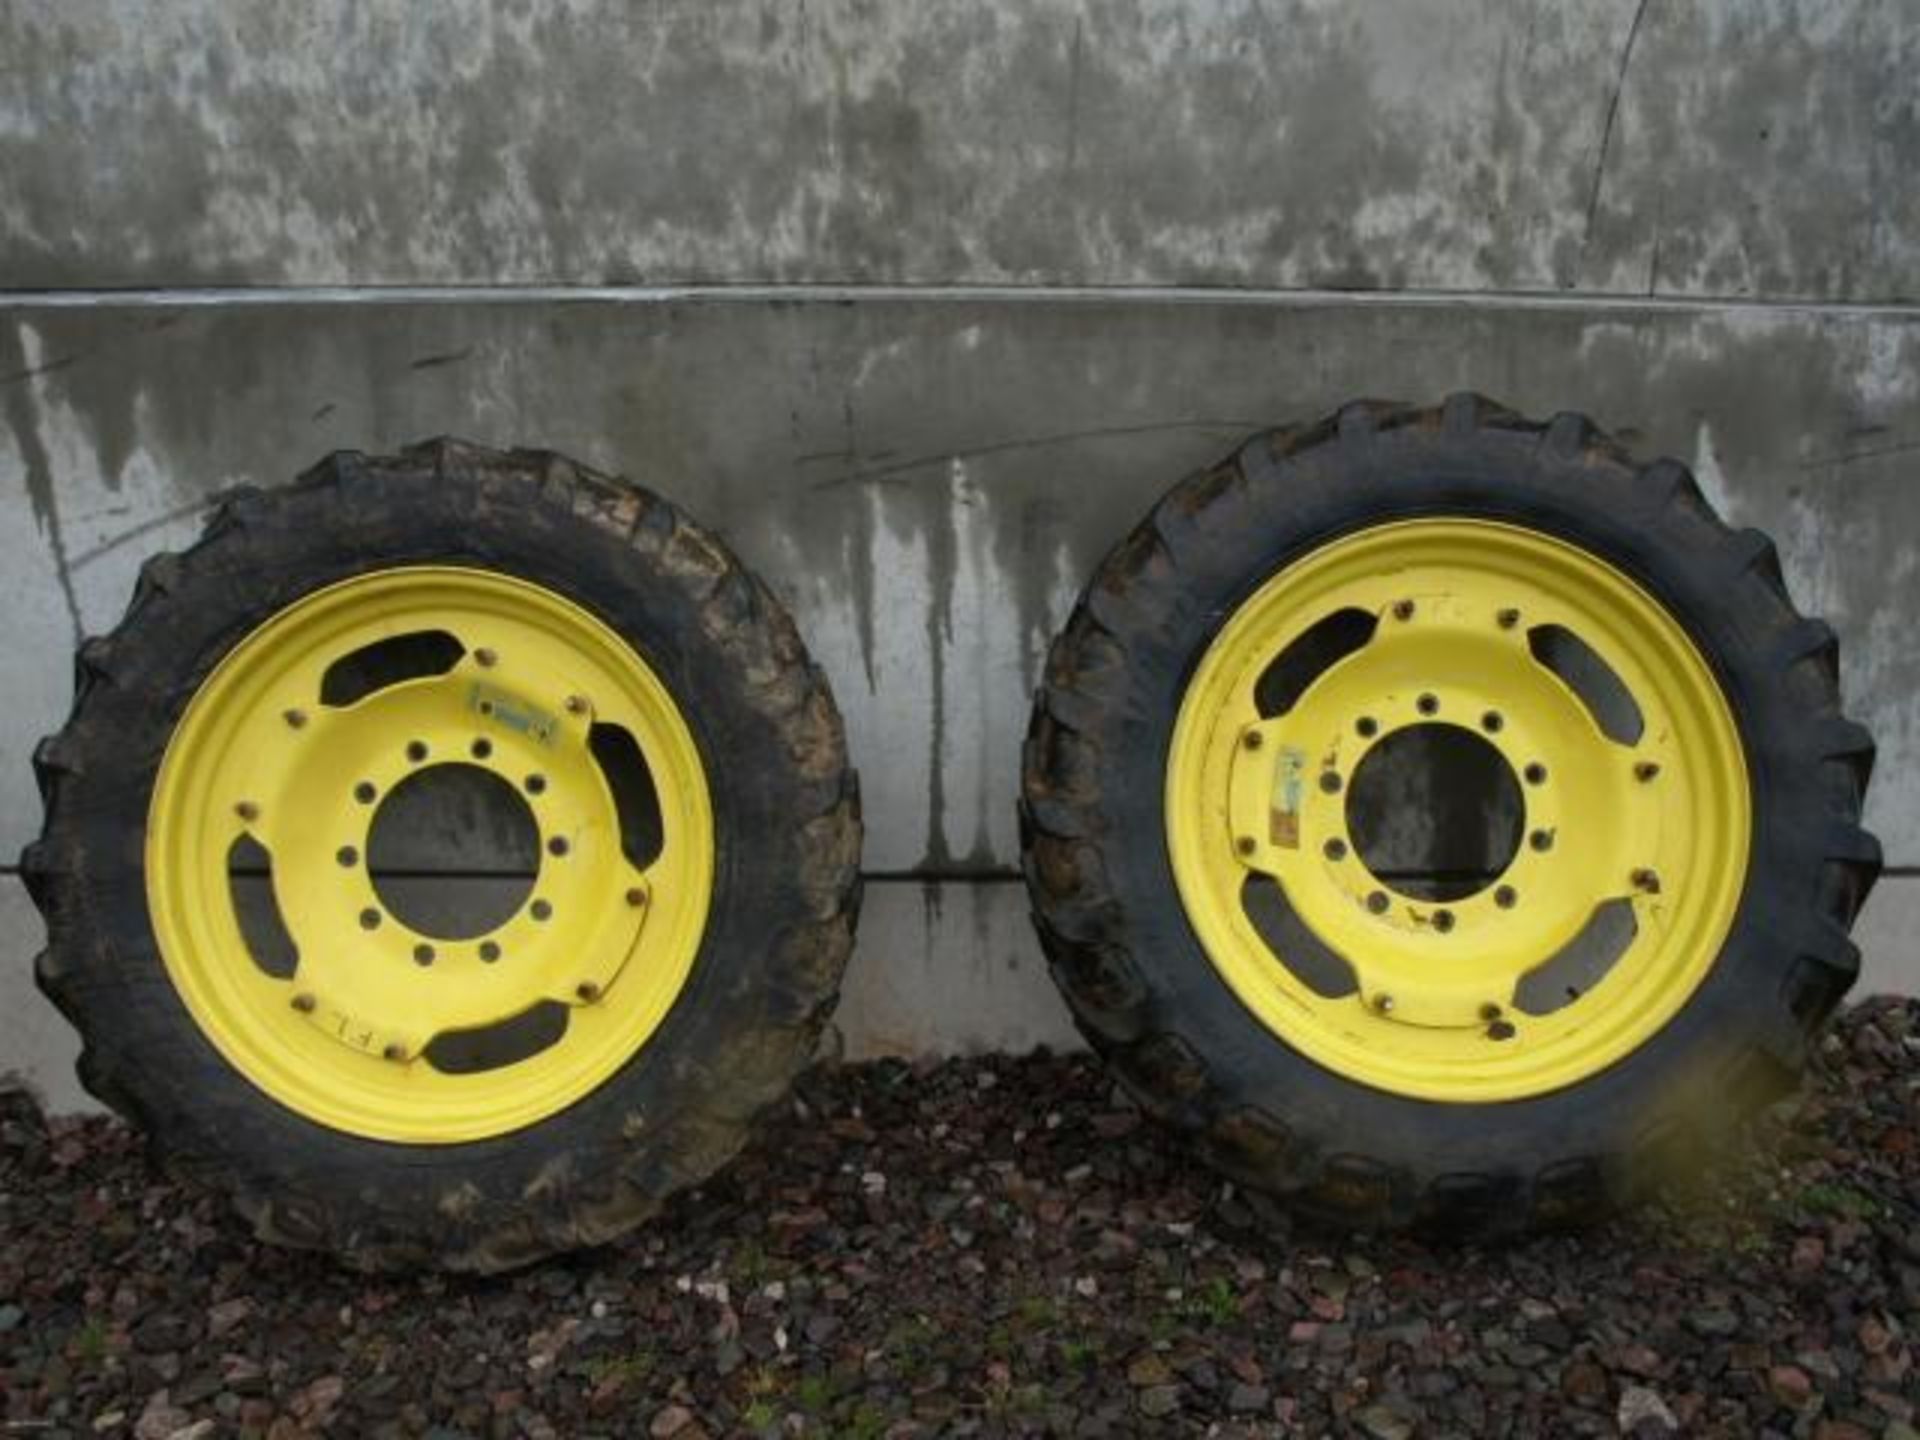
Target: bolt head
x,y
1383,1004
1508,619
1645,771
485,658
587,991
395,1052
1403,609
1647,881
636,897
575,705
1253,740
304,1004
1246,844
295,718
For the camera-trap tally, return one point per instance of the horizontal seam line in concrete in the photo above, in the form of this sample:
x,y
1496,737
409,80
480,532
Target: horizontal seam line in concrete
x,y
883,877
270,296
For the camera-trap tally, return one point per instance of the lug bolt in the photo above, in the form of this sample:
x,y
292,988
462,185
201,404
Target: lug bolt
x,y
482,748
575,705
303,1003
395,1052
1246,844
1252,740
489,951
347,856
540,909
1492,723
1403,609
1489,1011
485,658
1508,619
369,919
636,897
536,784
1427,705
1645,771
1536,773
1367,727
295,718
423,954
557,845
1541,840
1383,1003
1504,897
587,991
1646,880
416,751
1335,849
364,792
247,811
1500,1030
1377,902
1443,921
1330,781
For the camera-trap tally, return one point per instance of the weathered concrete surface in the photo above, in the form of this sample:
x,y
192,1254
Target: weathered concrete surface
x,y
1631,146
927,483
939,969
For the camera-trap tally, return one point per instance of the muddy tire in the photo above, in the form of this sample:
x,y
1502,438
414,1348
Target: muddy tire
x,y
1169,775
314,1095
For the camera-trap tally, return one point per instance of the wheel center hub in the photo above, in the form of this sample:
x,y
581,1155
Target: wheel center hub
x,y
453,851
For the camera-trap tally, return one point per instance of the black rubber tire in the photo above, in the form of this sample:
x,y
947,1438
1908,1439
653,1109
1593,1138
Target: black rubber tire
x,y
1143,990
787,819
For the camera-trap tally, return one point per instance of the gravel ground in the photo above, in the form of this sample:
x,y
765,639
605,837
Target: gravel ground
x,y
998,1247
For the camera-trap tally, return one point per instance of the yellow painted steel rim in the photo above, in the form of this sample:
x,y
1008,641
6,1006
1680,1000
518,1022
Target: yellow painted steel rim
x,y
347,1039
1660,825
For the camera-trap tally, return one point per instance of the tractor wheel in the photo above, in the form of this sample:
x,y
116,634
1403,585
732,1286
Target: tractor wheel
x,y
1455,620
232,929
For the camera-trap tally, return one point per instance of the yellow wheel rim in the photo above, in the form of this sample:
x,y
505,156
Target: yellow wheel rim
x,y
1658,826
348,1038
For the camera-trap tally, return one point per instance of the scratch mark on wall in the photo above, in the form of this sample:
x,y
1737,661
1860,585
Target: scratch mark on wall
x,y
1849,457
17,377
146,527
431,362
1606,129
1033,442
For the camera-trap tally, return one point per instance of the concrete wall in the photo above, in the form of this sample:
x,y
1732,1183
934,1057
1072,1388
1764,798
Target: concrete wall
x,y
923,304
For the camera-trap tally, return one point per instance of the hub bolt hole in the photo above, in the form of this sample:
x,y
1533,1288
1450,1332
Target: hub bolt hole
x,y
1377,902
1336,848
540,909
416,751
364,792
1541,840
347,856
489,951
369,919
1504,896
1367,727
482,749
1427,705
423,954
1492,722
1330,781
536,784
1443,921
1535,773
558,845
